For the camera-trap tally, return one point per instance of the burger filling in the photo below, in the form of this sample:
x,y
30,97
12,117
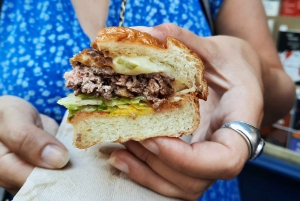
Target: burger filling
x,y
96,83
104,82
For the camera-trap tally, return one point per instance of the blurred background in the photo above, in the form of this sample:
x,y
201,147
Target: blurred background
x,y
276,174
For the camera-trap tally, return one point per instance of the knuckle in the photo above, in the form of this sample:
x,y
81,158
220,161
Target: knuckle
x,y
193,186
147,157
3,150
182,166
214,48
170,29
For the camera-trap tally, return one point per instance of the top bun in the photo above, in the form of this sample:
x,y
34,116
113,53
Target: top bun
x,y
121,41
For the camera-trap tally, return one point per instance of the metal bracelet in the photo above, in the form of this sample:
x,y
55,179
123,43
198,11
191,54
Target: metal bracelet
x,y
251,135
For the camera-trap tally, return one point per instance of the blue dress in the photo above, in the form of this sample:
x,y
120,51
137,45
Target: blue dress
x,y
37,38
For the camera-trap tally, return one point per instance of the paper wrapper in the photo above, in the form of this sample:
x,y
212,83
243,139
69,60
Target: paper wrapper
x,y
87,176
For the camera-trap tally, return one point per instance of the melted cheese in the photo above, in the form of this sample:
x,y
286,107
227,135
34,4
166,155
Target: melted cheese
x,y
144,65
131,111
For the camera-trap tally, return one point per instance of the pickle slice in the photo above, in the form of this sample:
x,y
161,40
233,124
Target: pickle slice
x,y
126,63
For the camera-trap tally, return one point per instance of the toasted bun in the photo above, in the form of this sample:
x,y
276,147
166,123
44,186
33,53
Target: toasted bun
x,y
93,128
178,118
188,67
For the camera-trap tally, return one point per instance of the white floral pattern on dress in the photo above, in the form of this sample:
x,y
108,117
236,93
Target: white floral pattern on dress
x,y
36,41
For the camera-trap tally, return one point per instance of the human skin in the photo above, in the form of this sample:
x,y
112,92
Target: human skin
x,y
26,141
247,20
172,167
246,82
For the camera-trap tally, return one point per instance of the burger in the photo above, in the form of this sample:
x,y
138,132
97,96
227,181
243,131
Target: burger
x,y
131,86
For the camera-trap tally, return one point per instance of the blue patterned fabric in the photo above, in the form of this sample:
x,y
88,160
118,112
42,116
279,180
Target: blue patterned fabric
x,y
37,38
186,14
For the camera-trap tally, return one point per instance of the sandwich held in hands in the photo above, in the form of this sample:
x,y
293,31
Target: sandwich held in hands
x,y
131,86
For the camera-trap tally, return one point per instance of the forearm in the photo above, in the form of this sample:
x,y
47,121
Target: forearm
x,y
279,94
247,20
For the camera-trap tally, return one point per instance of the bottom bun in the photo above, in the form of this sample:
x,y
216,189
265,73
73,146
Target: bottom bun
x,y
178,119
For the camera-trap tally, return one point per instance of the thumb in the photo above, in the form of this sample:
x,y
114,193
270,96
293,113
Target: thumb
x,y
35,146
21,131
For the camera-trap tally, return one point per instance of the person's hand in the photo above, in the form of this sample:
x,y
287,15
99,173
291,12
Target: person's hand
x,y
25,142
175,168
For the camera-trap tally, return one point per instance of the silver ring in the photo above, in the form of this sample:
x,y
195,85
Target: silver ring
x,y
251,135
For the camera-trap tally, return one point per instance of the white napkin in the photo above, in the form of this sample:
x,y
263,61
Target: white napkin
x,y
87,176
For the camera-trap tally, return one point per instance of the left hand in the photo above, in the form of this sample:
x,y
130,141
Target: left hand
x,y
175,168
24,137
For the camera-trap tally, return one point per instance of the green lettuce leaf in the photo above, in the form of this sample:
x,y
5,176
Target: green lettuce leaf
x,y
89,103
73,102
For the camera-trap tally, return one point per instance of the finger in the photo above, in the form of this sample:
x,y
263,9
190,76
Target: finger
x,y
234,109
49,124
21,131
144,175
183,181
216,159
35,146
162,31
14,177
208,48
206,109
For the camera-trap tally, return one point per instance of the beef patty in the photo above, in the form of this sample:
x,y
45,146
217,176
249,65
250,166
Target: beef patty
x,y
103,81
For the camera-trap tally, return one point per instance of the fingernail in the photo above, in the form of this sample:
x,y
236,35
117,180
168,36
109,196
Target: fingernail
x,y
120,165
142,28
55,156
151,146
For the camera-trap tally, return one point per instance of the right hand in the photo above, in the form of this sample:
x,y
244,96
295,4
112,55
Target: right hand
x,y
25,142
182,170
